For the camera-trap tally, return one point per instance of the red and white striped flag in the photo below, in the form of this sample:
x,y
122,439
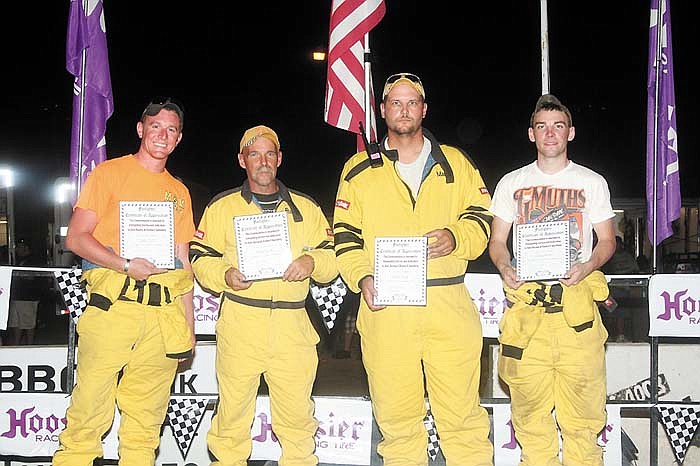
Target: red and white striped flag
x,y
345,86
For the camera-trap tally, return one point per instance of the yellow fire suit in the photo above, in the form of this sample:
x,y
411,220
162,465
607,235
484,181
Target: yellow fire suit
x,y
552,356
263,329
146,334
404,345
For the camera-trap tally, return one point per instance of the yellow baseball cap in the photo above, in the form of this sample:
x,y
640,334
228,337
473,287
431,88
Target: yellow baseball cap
x,y
403,78
255,132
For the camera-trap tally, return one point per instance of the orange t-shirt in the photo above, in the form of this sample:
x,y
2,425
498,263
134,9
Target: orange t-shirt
x,y
125,179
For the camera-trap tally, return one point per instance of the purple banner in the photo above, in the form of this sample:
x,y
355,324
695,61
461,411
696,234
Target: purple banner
x,y
662,142
92,92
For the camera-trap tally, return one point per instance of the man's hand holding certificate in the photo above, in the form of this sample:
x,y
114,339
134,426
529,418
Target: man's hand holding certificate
x,y
543,250
147,230
262,241
400,270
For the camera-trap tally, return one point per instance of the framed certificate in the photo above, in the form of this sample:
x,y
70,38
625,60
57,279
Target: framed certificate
x,y
263,246
147,230
543,250
400,267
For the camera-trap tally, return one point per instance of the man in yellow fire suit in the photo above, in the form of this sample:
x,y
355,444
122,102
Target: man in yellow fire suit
x,y
413,187
139,319
263,327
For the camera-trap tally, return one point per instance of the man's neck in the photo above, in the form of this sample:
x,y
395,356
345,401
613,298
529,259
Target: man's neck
x,y
552,166
149,163
409,146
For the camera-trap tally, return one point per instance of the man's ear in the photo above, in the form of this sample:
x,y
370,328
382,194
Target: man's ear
x,y
139,129
572,133
531,135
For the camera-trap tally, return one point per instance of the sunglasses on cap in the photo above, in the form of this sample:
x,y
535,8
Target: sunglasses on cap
x,y
159,103
410,77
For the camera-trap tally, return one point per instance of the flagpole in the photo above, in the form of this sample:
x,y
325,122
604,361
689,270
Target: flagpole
x,y
81,121
544,45
72,330
654,348
657,59
368,88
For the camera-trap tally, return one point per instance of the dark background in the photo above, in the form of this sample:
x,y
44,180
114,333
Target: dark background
x,y
238,64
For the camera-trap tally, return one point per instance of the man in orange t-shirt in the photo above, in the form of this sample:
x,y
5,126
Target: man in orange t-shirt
x,y
139,319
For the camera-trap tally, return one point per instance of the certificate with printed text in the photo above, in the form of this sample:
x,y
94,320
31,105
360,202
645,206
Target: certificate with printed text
x,y
543,251
147,230
263,246
400,267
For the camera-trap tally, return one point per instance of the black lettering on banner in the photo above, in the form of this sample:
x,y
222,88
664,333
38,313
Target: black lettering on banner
x,y
182,385
39,378
10,375
641,391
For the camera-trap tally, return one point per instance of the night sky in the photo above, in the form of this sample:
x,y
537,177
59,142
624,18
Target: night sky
x,y
235,66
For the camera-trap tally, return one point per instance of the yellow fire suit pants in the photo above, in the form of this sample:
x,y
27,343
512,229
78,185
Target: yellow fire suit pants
x,y
280,344
408,349
126,336
564,370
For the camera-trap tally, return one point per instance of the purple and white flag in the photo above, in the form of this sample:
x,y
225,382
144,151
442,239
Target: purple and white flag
x,y
662,143
87,60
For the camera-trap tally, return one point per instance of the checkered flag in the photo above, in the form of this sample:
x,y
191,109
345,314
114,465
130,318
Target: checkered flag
x,y
328,300
184,416
680,423
433,437
72,290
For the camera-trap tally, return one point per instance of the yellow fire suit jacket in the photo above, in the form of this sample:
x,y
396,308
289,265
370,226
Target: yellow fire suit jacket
x,y
105,287
528,305
375,201
213,251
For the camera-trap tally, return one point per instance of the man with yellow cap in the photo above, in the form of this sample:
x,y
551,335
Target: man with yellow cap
x,y
420,188
263,328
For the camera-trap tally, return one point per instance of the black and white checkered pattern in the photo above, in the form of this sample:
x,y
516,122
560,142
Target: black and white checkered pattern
x,y
680,423
433,437
72,291
184,416
328,300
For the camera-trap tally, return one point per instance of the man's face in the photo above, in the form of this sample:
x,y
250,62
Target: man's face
x,y
551,133
160,133
260,161
403,109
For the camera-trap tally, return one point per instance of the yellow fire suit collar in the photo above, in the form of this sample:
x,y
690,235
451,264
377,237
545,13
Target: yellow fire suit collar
x,y
247,194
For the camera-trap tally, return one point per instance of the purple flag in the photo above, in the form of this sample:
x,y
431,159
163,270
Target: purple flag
x,y
662,144
92,103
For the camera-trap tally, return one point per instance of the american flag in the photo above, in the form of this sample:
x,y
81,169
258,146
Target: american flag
x,y
351,20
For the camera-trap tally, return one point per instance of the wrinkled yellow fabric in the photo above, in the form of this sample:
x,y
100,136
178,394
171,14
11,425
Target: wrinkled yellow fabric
x,y
172,284
523,317
127,351
556,364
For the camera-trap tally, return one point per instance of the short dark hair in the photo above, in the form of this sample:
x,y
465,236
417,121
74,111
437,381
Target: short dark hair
x,y
550,102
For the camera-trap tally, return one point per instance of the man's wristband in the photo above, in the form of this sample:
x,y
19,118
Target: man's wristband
x,y
125,269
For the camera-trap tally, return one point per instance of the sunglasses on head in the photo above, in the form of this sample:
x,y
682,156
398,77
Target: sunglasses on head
x,y
158,103
161,101
410,76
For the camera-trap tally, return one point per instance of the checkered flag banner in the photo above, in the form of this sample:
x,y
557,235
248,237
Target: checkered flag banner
x,y
433,437
184,416
680,423
328,300
72,290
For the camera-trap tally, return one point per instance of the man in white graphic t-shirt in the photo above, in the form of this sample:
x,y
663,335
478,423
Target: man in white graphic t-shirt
x,y
552,340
